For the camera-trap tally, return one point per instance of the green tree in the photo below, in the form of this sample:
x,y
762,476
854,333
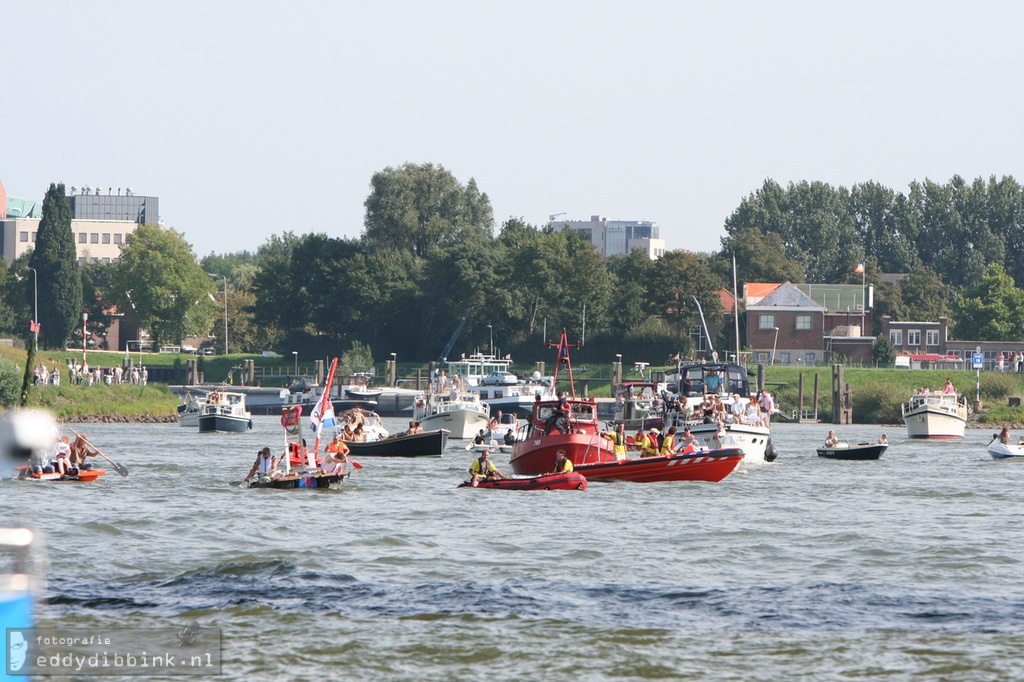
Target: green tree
x,y
991,310
358,358
160,283
421,207
56,263
883,352
759,258
676,279
925,296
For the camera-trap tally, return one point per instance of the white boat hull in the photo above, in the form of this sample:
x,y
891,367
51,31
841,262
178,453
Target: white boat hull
x,y
189,419
935,417
753,440
1000,451
461,423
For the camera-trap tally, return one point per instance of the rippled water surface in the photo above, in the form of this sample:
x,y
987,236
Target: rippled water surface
x,y
905,568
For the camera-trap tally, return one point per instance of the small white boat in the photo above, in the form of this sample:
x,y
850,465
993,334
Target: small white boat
x,y
1000,451
935,415
188,411
462,414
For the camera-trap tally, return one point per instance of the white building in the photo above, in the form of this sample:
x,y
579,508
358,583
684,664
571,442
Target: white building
x,y
617,237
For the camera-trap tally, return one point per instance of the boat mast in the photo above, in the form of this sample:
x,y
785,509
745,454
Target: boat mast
x,y
735,308
563,347
707,334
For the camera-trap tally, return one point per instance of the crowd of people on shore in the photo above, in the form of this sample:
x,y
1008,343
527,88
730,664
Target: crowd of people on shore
x,y
79,374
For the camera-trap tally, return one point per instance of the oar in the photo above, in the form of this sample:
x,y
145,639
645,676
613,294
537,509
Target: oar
x,y
117,467
354,463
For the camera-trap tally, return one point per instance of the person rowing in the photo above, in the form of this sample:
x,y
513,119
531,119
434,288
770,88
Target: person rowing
x,y
265,465
482,468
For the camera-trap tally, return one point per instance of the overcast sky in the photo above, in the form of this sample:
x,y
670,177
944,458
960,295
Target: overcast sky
x,y
252,118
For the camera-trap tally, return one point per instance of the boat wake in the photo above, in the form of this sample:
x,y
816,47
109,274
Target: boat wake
x,y
285,588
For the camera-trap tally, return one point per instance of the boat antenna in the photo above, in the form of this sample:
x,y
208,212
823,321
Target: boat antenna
x,y
711,346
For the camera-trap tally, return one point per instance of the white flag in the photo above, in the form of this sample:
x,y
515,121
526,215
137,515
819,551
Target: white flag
x,y
322,416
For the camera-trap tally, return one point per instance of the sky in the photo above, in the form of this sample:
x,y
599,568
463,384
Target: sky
x,y
250,119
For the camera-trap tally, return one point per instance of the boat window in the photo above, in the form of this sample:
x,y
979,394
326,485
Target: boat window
x,y
585,411
498,394
483,395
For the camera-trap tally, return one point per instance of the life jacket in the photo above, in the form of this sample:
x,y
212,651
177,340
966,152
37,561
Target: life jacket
x,y
482,468
266,464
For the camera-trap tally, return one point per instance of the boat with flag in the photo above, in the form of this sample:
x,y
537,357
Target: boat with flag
x,y
310,472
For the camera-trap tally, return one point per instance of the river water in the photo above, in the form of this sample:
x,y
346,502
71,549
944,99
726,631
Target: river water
x,y
911,567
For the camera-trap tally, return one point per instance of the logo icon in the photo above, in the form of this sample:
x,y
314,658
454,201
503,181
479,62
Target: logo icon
x,y
17,651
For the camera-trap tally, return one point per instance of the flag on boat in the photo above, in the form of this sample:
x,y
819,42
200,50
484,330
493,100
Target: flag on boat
x,y
322,416
859,269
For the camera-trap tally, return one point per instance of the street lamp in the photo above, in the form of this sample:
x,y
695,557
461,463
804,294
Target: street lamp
x,y
775,344
35,303
85,336
296,354
491,330
225,309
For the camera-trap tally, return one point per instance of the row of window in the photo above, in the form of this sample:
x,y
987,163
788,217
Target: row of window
x,y
914,337
85,237
766,321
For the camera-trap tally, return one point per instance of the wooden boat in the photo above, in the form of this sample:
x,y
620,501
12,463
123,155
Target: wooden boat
x,y
935,415
859,451
426,444
224,411
76,475
302,479
699,465
569,481
999,451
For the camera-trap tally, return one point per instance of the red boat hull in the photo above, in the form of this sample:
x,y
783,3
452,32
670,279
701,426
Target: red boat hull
x,y
536,455
709,465
569,481
83,476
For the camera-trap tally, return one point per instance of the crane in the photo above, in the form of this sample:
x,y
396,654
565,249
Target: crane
x,y
451,342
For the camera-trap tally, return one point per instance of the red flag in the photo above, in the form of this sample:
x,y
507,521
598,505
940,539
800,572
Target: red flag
x,y
34,327
859,269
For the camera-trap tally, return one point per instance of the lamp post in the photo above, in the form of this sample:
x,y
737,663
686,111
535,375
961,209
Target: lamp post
x,y
85,336
394,369
295,353
775,344
491,330
35,306
225,309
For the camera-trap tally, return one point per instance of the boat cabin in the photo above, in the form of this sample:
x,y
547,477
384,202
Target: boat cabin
x,y
696,381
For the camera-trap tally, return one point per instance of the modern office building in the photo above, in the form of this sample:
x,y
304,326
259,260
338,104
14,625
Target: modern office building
x,y
617,237
100,223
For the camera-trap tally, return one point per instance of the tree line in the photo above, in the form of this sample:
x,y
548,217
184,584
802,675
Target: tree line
x,y
430,254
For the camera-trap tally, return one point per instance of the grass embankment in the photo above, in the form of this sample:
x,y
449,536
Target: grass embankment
x,y
879,393
106,403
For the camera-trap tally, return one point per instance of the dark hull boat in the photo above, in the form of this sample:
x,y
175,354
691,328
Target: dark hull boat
x,y
299,480
428,444
860,451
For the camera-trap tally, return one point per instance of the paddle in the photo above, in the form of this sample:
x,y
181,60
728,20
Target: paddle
x,y
354,463
117,467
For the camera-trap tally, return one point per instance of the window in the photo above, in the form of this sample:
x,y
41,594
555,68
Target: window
x,y
782,358
94,238
106,237
117,238
82,237
803,322
33,236
896,336
766,321
932,337
24,236
913,337
810,358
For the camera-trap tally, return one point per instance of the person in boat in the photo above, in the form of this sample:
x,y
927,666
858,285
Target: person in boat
x,y
949,387
719,437
712,382
668,443
482,468
1004,436
80,450
618,439
652,443
688,442
767,407
492,424
831,441
414,428
751,413
265,465
335,458
510,438
358,435
563,465
884,440
736,409
559,418
62,456
479,439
